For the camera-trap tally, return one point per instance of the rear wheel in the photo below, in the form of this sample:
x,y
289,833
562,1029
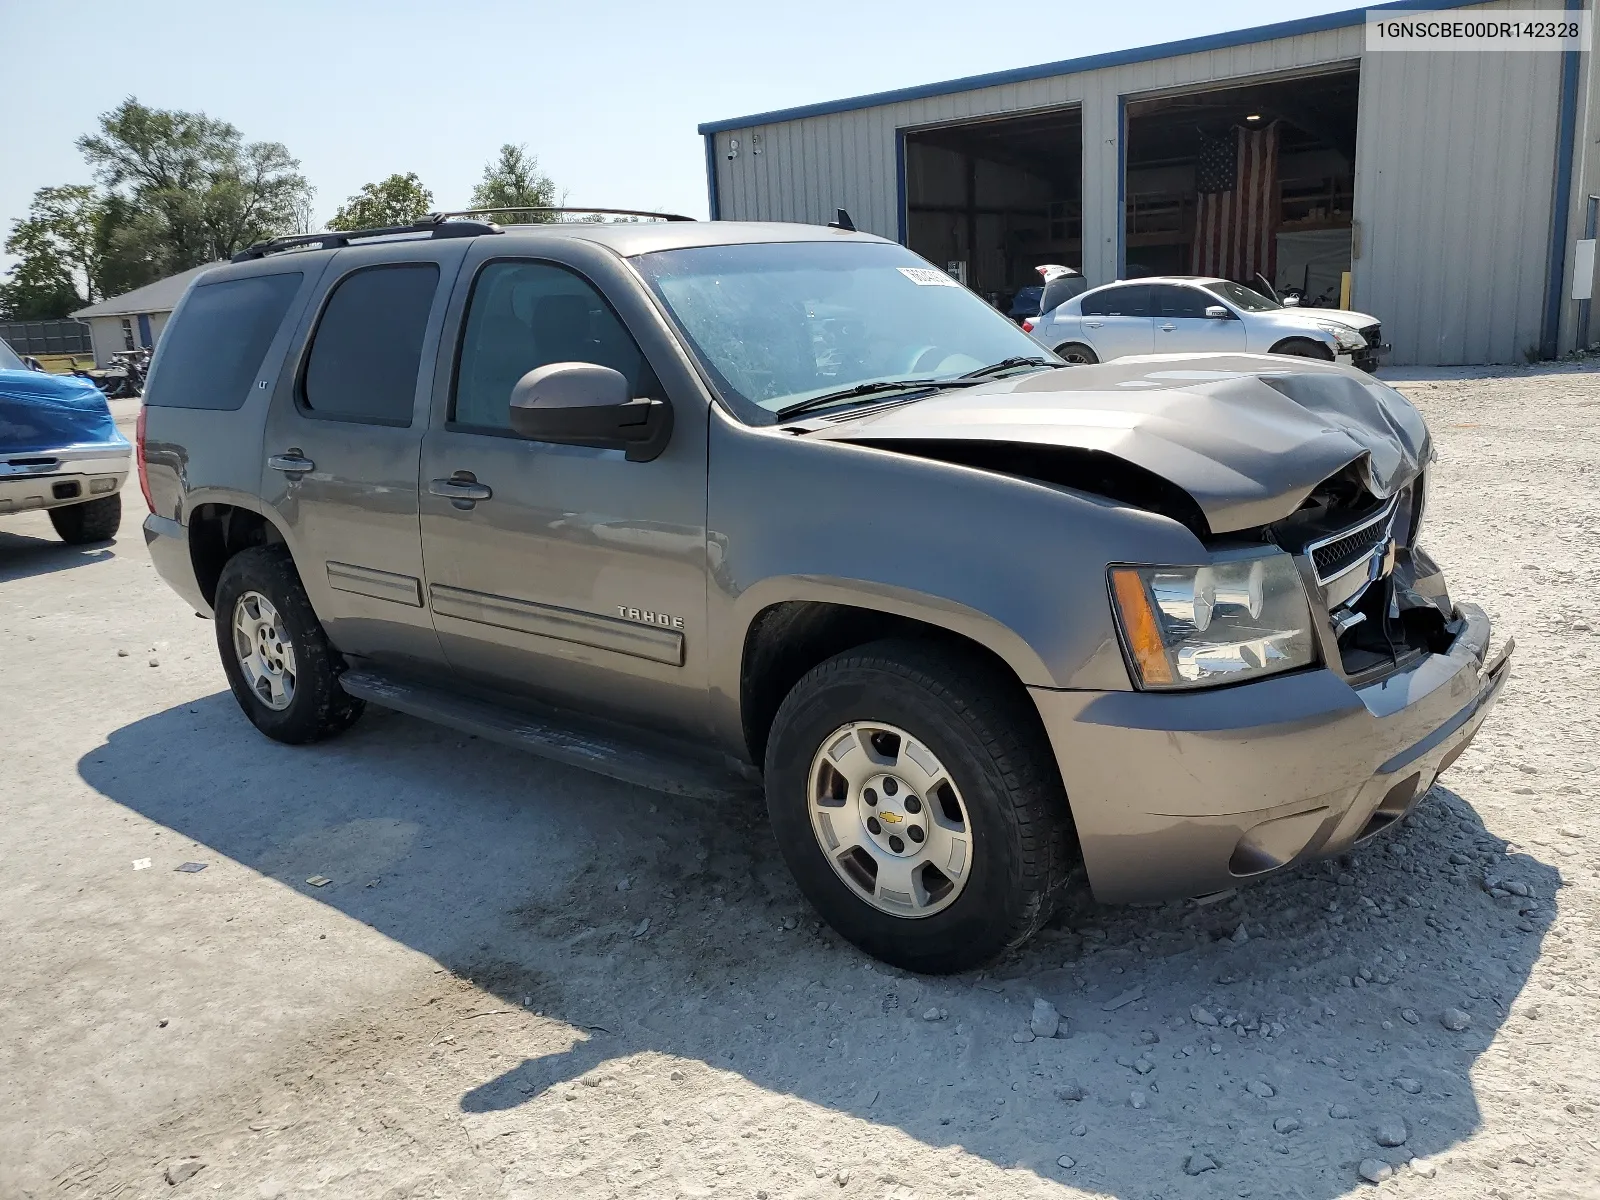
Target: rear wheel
x,y
1303,348
1077,354
91,521
282,670
917,804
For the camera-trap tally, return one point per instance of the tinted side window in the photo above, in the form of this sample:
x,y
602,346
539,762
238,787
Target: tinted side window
x,y
524,315
211,352
368,344
1130,301
1173,301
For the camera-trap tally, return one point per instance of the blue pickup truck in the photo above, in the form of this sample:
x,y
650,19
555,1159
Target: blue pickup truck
x,y
60,451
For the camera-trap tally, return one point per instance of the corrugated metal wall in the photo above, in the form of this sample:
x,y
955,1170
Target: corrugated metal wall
x,y
1455,158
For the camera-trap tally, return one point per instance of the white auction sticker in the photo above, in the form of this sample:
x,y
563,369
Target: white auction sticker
x,y
1480,30
927,277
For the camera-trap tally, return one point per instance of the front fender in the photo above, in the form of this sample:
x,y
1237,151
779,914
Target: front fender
x,y
940,611
1012,564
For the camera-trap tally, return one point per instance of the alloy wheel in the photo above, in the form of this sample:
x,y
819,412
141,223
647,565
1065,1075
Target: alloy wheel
x,y
889,819
266,655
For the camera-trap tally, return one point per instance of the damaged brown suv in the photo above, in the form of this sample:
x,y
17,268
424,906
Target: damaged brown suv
x,y
707,506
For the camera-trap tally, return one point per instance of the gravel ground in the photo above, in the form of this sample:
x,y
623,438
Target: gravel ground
x,y
524,981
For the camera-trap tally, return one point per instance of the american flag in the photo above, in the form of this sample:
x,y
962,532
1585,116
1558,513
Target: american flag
x,y
1236,218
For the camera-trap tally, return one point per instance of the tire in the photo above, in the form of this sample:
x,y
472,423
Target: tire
x,y
1077,354
1303,348
91,521
980,729
301,701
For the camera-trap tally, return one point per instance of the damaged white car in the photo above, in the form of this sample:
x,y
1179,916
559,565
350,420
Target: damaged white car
x,y
1183,315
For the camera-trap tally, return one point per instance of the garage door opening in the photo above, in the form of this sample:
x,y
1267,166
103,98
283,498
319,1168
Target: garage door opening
x,y
1258,178
990,201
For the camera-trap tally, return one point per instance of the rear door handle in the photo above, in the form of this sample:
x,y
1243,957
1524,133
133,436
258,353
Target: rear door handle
x,y
292,463
462,489
1093,324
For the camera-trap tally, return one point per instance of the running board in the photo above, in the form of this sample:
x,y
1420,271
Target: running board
x,y
640,759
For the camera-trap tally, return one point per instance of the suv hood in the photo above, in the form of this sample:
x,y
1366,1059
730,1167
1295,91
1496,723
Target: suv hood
x,y
1245,437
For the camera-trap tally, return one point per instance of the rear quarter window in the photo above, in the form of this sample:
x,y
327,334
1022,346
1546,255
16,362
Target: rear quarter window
x,y
212,350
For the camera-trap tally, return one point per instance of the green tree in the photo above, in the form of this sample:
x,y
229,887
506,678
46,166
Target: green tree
x,y
193,190
397,200
513,180
56,244
39,288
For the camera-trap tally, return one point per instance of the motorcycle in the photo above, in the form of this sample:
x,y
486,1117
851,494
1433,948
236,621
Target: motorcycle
x,y
123,379
136,366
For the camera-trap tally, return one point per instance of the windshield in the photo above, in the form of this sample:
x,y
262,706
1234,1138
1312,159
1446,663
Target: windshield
x,y
1240,296
9,360
776,323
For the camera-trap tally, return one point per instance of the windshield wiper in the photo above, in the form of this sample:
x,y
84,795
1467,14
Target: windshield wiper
x,y
1005,364
862,389
907,385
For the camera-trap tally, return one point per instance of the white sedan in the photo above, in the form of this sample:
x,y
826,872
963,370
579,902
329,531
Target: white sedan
x,y
1187,315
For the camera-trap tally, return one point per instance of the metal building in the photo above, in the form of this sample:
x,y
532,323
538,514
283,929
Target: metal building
x,y
1452,187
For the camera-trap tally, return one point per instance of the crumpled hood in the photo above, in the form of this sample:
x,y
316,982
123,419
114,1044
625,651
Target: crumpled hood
x,y
50,412
1343,316
1247,436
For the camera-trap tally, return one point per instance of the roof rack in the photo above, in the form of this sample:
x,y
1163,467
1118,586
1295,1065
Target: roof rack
x,y
608,212
457,223
434,225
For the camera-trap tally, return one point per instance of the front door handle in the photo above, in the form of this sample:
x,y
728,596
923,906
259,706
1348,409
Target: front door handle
x,y
1168,327
292,463
462,489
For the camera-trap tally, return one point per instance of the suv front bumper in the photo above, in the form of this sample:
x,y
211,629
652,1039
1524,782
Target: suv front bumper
x,y
1185,793
54,478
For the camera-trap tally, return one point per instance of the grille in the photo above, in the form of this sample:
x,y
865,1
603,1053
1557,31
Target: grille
x,y
1374,336
1335,555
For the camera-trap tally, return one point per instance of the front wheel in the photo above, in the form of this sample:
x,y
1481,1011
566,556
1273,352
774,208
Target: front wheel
x,y
916,802
1077,354
91,521
282,670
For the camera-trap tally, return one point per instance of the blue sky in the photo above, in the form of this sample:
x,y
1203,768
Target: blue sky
x,y
607,95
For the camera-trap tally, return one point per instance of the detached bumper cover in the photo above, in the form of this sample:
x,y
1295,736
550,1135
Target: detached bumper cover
x,y
1183,794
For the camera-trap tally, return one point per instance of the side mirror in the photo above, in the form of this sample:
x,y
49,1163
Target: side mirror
x,y
1291,301
585,404
1217,313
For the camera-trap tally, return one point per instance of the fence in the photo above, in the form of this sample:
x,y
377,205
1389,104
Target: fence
x,y
47,337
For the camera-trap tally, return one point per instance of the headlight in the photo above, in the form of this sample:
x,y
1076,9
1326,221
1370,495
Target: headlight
x,y
1234,619
1343,336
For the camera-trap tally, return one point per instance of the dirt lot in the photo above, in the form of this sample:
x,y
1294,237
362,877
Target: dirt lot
x,y
524,981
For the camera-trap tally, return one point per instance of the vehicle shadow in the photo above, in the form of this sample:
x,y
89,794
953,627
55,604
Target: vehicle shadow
x,y
22,556
658,924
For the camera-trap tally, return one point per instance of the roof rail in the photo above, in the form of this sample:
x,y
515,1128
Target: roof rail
x,y
434,225
608,212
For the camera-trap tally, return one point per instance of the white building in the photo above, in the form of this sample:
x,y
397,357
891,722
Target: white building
x,y
1452,187
134,319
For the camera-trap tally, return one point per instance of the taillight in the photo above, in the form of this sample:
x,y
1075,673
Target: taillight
x,y
138,451
1027,327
